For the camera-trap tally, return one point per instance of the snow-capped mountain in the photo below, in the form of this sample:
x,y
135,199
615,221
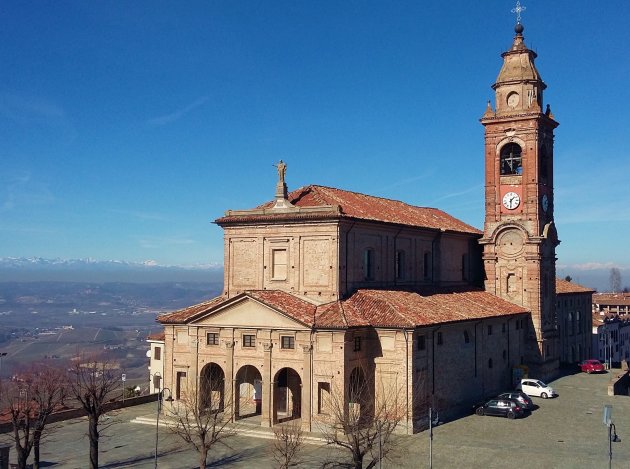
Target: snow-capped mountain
x,y
89,269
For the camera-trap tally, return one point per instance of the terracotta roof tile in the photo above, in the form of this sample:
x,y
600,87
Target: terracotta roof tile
x,y
183,315
564,287
158,336
360,206
377,308
612,299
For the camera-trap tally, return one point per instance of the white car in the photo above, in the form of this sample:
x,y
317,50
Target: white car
x,y
535,387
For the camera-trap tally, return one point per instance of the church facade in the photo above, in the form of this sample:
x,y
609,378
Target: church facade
x,y
327,290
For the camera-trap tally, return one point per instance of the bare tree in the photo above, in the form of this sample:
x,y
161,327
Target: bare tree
x,y
568,278
94,382
201,417
363,418
287,445
615,280
31,397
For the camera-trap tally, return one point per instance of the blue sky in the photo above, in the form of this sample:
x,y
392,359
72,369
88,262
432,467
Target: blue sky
x,y
127,127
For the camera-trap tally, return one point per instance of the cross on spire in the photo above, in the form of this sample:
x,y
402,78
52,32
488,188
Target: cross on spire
x,y
518,9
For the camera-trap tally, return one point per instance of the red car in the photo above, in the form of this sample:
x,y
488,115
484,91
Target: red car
x,y
592,366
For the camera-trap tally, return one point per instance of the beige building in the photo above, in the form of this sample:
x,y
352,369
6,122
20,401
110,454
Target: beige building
x,y
574,321
326,290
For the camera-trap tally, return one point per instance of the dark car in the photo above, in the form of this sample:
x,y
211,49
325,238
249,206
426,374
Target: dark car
x,y
519,396
501,407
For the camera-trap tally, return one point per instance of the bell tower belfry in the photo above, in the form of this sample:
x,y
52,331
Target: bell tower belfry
x,y
519,235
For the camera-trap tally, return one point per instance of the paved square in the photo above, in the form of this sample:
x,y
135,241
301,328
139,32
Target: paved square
x,y
565,432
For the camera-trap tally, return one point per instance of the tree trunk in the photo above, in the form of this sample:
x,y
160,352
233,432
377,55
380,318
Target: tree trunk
x,y
203,457
358,461
37,436
93,424
22,457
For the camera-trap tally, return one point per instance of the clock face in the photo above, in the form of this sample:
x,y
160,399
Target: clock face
x,y
511,200
544,202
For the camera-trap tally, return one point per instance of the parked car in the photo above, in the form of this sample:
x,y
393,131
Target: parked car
x,y
535,387
501,407
519,396
592,366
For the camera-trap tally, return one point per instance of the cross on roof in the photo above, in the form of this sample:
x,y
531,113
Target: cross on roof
x,y
518,9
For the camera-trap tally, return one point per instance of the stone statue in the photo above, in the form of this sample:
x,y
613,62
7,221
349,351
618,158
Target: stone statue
x,y
282,171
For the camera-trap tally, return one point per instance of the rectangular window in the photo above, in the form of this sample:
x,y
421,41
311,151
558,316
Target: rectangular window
x,y
179,384
287,342
157,353
278,264
249,340
421,343
464,267
503,327
323,401
439,338
368,264
425,265
357,344
212,338
490,329
400,265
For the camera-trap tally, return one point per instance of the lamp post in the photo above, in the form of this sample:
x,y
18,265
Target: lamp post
x,y
157,420
612,438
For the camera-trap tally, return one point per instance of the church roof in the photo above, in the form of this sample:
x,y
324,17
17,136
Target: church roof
x,y
347,204
564,287
376,308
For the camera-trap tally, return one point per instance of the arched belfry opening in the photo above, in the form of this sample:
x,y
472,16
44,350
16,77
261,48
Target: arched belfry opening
x,y
511,160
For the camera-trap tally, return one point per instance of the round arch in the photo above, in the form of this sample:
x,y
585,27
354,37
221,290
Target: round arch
x,y
287,395
248,388
212,387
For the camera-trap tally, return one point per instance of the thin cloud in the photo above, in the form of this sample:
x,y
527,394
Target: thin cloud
x,y
457,194
176,115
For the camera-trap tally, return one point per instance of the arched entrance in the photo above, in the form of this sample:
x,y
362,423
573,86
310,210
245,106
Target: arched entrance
x,y
212,388
248,390
360,396
287,395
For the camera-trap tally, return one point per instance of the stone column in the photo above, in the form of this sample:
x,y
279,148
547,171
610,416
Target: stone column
x,y
229,381
307,388
267,397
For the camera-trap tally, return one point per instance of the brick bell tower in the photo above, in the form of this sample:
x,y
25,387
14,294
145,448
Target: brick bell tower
x,y
519,235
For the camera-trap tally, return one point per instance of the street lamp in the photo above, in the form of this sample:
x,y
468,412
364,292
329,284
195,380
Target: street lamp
x,y
157,420
612,438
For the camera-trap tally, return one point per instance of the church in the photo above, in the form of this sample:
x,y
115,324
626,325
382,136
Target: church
x,y
327,290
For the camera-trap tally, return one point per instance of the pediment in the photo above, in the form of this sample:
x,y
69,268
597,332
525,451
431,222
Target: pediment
x,y
248,313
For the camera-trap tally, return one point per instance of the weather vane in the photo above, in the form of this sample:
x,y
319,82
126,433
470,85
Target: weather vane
x,y
518,9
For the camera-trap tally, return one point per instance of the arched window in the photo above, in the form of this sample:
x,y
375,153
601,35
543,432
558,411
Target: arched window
x,y
511,160
490,363
466,337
